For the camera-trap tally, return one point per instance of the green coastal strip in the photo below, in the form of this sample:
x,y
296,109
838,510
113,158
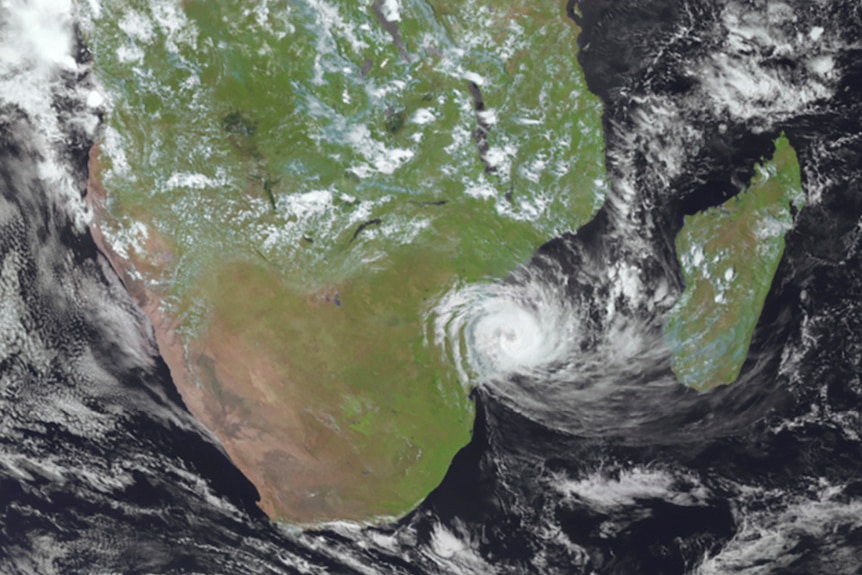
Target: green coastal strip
x,y
729,255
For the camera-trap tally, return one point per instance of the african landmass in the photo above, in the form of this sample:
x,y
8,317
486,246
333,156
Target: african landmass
x,y
289,188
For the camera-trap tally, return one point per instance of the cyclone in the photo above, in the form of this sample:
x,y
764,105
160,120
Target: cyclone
x,y
497,329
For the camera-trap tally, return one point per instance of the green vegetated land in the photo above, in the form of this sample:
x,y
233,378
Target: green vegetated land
x,y
729,255
332,152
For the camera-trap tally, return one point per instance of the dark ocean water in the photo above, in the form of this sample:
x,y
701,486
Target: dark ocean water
x,y
600,463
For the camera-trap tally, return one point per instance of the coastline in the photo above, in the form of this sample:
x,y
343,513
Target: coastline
x,y
290,463
170,346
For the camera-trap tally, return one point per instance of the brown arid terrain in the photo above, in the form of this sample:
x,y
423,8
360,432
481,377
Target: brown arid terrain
x,y
295,459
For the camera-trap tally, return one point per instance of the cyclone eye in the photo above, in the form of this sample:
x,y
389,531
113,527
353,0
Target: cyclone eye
x,y
507,336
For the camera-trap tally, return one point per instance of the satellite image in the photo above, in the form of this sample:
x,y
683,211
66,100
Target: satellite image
x,y
431,287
